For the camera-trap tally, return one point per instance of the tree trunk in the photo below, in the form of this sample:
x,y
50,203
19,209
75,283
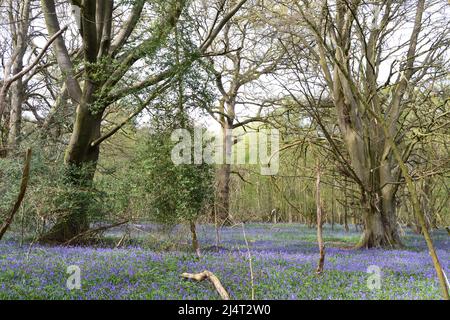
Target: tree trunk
x,y
17,98
195,244
374,170
15,117
80,158
223,178
321,262
345,220
81,161
223,201
380,226
345,207
380,218
425,197
332,206
20,42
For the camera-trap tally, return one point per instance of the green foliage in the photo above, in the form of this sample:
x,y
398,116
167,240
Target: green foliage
x,y
172,193
48,196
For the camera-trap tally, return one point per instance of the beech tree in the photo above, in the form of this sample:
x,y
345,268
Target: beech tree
x,y
353,51
251,53
20,60
100,78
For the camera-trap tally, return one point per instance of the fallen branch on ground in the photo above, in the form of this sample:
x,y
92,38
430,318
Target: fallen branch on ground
x,y
90,231
211,277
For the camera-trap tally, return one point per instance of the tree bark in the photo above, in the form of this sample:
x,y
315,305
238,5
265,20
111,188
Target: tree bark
x,y
380,223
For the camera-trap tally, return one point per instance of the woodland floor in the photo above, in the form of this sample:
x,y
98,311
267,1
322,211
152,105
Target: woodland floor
x,y
284,258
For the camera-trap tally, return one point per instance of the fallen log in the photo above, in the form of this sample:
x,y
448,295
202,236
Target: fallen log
x,y
212,278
